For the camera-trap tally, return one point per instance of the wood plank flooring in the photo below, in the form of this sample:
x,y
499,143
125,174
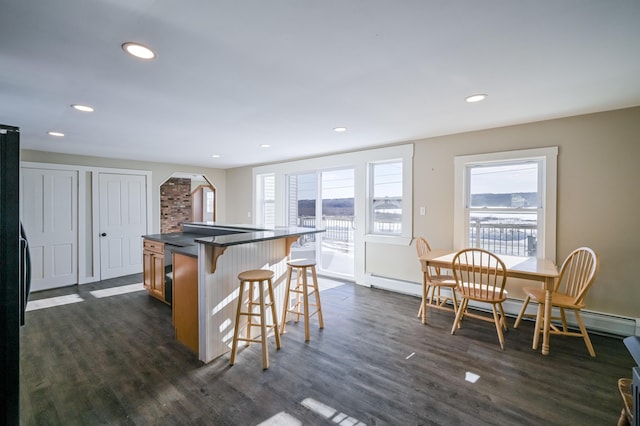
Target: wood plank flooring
x,y
114,360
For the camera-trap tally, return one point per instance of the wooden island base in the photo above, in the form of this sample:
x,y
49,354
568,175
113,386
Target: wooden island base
x,y
185,300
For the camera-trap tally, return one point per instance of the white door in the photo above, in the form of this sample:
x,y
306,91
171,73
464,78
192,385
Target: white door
x,y
49,214
123,221
333,249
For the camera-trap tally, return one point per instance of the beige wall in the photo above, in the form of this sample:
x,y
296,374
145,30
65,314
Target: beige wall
x,y
160,172
239,203
598,201
598,198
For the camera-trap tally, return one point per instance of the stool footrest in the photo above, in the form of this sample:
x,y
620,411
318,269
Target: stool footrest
x,y
302,313
244,339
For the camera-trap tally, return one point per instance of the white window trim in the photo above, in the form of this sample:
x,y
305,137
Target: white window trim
x,y
259,200
405,237
549,174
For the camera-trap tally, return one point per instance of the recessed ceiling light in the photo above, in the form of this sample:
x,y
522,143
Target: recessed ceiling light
x,y
476,98
83,108
138,50
56,134
264,145
215,155
339,129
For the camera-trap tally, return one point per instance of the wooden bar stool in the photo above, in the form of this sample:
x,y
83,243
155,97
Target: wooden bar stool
x,y
301,290
251,278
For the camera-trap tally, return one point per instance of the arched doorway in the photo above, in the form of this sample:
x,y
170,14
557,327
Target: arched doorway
x,y
186,197
204,202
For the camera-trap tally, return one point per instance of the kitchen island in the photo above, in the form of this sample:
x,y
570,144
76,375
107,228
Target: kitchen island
x,y
213,255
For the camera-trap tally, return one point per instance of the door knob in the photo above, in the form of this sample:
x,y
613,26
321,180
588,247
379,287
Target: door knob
x,y
104,234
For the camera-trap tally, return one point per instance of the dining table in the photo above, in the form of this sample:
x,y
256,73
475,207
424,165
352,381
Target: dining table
x,y
528,268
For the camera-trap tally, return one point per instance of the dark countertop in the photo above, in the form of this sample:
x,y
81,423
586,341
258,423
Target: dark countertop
x,y
187,242
178,242
255,236
178,239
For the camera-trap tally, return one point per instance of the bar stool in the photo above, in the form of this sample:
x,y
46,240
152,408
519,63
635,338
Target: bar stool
x,y
302,266
252,277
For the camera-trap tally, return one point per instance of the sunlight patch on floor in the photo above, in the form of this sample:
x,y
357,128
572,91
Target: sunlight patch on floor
x,y
115,291
330,413
34,305
471,377
281,419
325,283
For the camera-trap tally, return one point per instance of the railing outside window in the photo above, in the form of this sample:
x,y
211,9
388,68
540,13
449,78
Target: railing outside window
x,y
338,228
513,239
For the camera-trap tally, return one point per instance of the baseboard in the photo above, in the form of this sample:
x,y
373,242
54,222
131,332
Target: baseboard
x,y
596,322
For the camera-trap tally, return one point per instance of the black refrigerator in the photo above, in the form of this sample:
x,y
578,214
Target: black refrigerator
x,y
14,275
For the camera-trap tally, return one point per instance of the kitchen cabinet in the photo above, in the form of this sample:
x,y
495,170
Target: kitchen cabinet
x,y
155,271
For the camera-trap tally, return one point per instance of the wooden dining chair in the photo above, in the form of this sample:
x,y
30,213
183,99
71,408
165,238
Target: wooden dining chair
x,y
480,276
432,282
576,276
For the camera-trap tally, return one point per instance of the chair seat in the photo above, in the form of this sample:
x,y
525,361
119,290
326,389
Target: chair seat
x,y
443,281
485,289
557,299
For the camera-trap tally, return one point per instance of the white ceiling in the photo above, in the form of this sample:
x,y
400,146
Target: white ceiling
x,y
231,75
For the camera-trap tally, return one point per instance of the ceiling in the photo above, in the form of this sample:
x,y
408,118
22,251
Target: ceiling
x,y
231,75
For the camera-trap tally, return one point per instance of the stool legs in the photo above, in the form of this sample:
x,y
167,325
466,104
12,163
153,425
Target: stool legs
x,y
236,329
262,305
274,315
317,296
263,328
302,298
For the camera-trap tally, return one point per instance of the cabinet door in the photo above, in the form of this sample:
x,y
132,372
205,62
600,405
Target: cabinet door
x,y
185,300
157,284
147,262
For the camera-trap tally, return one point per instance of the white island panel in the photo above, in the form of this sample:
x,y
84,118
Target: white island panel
x,y
218,290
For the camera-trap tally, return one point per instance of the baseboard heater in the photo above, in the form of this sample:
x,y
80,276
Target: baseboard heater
x,y
596,322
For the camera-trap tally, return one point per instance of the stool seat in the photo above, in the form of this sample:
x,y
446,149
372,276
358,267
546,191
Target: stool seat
x,y
256,275
301,263
252,278
302,290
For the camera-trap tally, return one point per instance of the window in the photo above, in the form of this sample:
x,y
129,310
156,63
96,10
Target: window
x,y
209,203
386,198
266,200
398,160
505,202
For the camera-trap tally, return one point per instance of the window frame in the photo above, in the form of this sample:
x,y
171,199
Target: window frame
x,y
261,200
371,198
547,190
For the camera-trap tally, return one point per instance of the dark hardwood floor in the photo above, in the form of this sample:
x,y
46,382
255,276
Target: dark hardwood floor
x,y
114,360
